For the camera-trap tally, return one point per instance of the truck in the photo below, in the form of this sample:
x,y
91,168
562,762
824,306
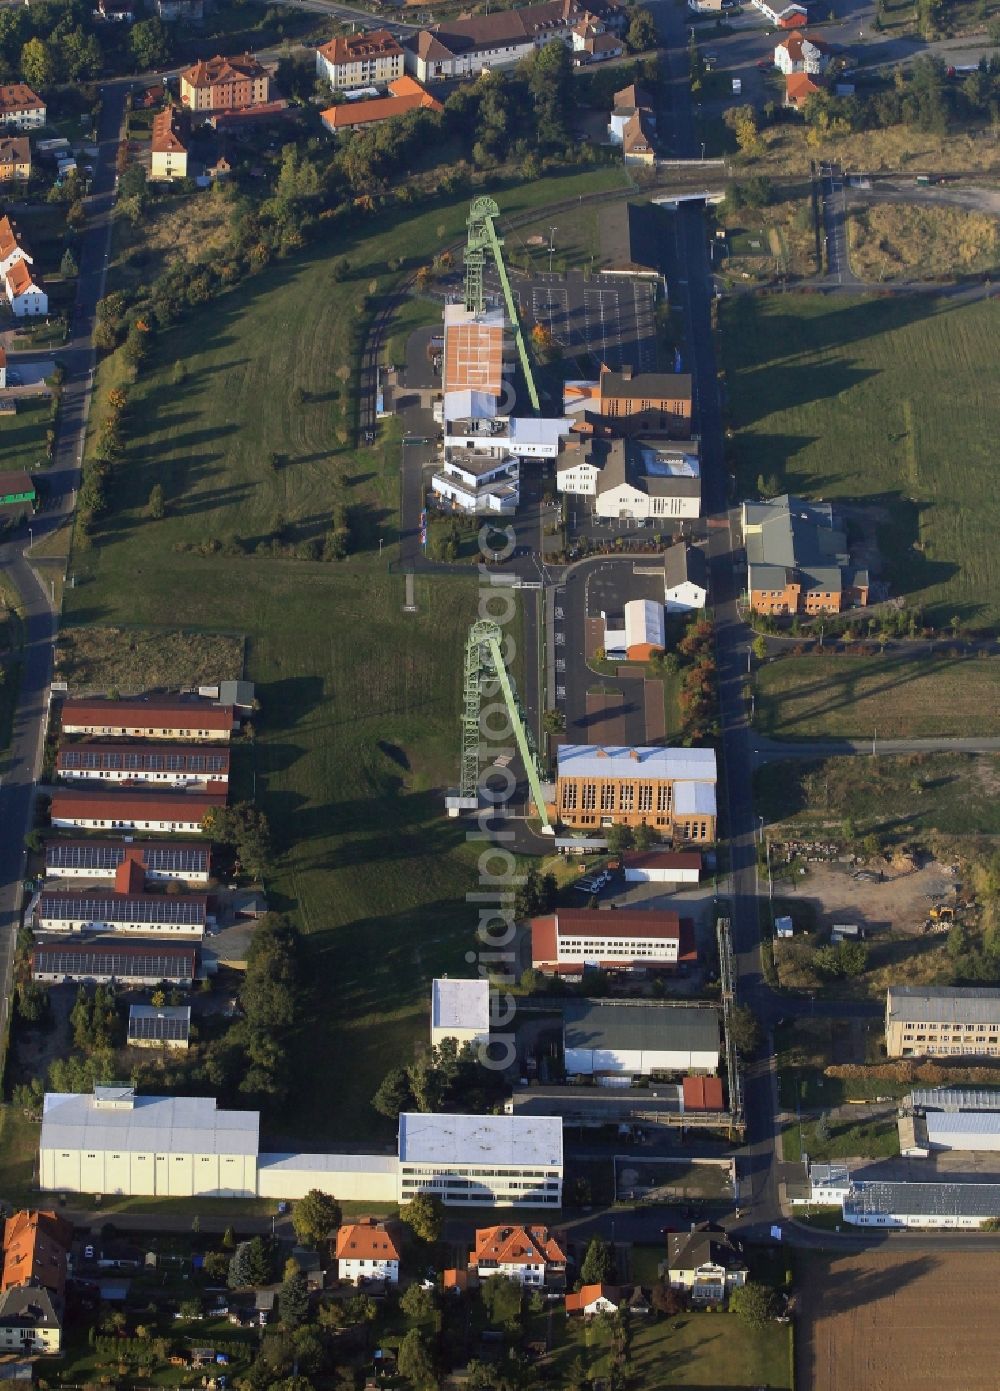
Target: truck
x,y
737,86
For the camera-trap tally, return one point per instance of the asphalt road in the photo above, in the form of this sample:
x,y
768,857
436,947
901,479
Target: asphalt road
x,y
774,750
23,760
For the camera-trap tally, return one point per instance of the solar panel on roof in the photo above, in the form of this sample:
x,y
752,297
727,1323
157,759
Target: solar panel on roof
x,y
157,965
108,855
129,910
158,1027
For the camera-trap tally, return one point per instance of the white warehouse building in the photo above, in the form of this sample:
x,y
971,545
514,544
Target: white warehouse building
x,y
496,1161
147,1146
460,1009
628,1038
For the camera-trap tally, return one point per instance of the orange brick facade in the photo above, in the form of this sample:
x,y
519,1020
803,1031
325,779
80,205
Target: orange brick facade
x,y
587,802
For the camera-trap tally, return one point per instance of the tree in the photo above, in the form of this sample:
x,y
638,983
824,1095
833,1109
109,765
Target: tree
x,y
536,895
598,1266
760,647
641,35
756,1305
315,1217
742,121
150,43
665,1299
157,507
417,1303
550,82
67,266
414,1360
394,1093
424,1215
37,64
821,1129
744,1029
554,722
643,836
502,1298
229,1239
619,838
293,1297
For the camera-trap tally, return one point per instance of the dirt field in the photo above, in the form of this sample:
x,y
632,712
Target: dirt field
x,y
877,1321
899,904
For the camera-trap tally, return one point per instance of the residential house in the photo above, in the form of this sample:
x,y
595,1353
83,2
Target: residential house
x,y
30,1320
594,1299
15,159
225,84
594,42
367,1250
168,717
25,293
685,578
11,247
637,141
20,107
706,1264
799,88
629,102
798,561
360,60
170,11
35,1249
530,1255
670,790
469,46
168,152
311,1265
405,95
796,53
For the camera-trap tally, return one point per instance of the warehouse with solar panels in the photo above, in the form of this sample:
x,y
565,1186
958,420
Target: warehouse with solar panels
x,y
159,1026
132,963
100,859
71,910
143,763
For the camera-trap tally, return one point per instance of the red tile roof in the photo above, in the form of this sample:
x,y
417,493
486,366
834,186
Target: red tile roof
x,y
153,713
662,859
15,149
207,72
516,1246
166,138
576,1303
366,1240
597,923
703,1094
35,1245
799,87
17,96
130,876
75,804
406,95
357,48
20,279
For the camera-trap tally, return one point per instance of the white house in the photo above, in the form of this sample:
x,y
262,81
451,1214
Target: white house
x,y
478,483
367,1250
530,1255
685,579
593,1299
500,1161
629,102
796,53
20,107
706,1264
29,1320
147,1146
460,1009
25,293
647,480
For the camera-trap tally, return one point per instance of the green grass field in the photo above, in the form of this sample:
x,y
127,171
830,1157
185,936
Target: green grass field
x,y
950,793
22,436
358,734
851,697
885,402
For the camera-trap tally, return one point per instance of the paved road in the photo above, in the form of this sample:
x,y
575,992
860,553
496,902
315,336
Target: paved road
x,y
773,750
23,760
364,19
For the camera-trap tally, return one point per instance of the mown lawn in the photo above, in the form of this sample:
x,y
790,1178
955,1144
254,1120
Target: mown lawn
x,y
839,696
886,402
358,734
22,436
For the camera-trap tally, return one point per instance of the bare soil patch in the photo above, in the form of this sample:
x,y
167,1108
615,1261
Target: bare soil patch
x,y
898,903
876,1321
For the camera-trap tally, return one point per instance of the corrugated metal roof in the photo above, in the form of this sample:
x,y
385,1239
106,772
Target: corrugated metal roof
x,y
155,1124
623,761
956,1098
944,1004
329,1163
923,1199
964,1126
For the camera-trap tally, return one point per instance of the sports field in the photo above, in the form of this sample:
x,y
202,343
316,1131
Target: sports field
x,y
888,403
898,697
912,1318
358,734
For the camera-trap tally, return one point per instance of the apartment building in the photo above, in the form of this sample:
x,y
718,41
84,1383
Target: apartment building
x,y
359,60
942,1022
225,84
671,790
